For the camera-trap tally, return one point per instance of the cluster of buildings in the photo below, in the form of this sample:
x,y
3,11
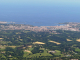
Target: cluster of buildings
x,y
68,26
63,27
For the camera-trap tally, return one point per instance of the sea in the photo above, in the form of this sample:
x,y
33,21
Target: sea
x,y
40,12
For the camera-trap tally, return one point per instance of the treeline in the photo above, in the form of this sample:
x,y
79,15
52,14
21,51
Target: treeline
x,y
10,53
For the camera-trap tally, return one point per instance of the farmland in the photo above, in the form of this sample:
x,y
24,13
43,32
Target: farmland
x,y
78,40
39,45
69,40
55,42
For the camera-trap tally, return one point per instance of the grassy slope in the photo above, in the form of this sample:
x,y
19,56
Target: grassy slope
x,y
37,54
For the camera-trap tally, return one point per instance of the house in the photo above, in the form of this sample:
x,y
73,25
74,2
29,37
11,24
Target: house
x,y
51,51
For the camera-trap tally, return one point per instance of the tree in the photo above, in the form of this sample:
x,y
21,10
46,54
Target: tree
x,y
18,53
14,53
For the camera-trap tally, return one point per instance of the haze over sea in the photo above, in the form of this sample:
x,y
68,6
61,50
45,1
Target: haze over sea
x,y
40,12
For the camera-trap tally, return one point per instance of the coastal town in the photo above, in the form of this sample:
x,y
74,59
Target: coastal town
x,y
38,42
64,26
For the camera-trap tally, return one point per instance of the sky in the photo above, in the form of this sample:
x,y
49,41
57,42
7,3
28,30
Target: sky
x,y
40,10
73,2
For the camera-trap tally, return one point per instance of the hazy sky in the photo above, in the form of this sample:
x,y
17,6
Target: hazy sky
x,y
40,10
73,2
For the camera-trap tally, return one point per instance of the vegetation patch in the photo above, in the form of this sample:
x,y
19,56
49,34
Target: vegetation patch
x,y
29,37
58,53
38,43
30,49
18,33
39,54
55,42
77,49
4,42
68,40
78,40
26,31
2,47
20,39
12,46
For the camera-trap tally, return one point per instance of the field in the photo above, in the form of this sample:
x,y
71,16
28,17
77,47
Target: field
x,y
27,51
58,53
12,46
21,39
3,47
68,40
29,37
4,42
1,38
30,46
78,40
37,54
38,43
55,42
18,33
77,49
26,31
